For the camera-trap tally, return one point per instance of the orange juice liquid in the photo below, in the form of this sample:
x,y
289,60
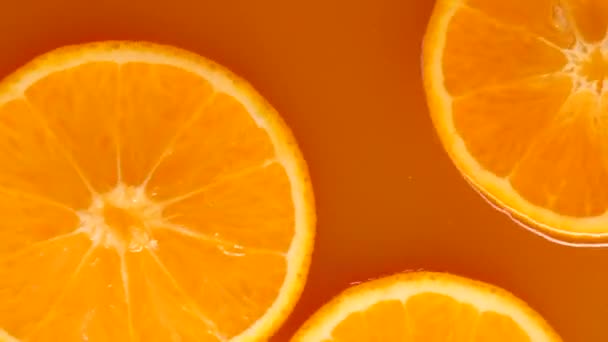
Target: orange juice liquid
x,y
346,77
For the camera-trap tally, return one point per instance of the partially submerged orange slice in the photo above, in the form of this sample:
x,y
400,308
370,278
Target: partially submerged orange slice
x,y
425,307
518,94
146,194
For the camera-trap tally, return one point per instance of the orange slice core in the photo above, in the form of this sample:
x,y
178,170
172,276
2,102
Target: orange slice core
x,y
122,219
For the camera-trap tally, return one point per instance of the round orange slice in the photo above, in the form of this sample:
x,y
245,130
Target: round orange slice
x,y
518,94
425,307
146,194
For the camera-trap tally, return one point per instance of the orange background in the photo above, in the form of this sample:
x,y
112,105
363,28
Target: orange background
x,y
346,77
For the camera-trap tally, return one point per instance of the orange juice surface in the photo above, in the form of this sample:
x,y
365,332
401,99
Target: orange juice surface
x,y
346,76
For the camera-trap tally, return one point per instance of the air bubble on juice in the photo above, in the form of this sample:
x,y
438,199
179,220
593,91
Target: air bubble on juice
x,y
234,250
94,262
135,247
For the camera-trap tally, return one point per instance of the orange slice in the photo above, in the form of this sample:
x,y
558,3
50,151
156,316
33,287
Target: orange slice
x,y
425,307
518,94
146,194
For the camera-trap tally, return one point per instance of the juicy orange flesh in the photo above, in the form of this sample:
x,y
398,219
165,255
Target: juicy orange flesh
x,y
427,317
519,114
540,17
595,68
591,18
518,53
217,260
